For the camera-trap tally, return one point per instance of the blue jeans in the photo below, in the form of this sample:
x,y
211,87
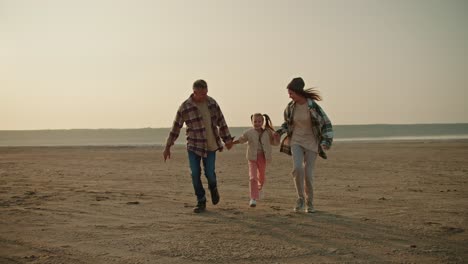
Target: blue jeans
x,y
195,168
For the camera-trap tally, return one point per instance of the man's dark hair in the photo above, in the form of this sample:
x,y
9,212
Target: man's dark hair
x,y
200,84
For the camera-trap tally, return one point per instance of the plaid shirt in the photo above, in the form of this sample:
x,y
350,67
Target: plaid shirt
x,y
321,127
189,114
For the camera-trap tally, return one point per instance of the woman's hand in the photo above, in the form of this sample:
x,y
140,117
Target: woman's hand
x,y
325,147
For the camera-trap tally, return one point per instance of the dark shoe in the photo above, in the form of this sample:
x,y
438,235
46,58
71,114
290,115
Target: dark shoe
x,y
310,207
299,208
214,195
201,206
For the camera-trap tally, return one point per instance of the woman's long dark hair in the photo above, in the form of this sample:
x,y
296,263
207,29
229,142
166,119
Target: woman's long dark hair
x,y
311,93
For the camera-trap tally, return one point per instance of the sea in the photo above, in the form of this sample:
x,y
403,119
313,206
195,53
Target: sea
x,y
158,136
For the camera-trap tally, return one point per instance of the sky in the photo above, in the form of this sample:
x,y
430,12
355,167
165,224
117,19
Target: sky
x,y
129,64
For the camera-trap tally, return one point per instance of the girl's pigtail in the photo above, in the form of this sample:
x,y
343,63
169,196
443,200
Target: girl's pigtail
x,y
268,123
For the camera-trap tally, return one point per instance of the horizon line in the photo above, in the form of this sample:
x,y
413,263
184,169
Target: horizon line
x,y
371,124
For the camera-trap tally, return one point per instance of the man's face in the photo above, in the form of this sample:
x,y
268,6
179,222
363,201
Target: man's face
x,y
200,94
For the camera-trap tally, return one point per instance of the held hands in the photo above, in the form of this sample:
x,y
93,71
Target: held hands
x,y
325,147
229,145
276,136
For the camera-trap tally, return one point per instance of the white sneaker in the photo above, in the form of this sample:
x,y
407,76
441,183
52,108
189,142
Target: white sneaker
x,y
252,203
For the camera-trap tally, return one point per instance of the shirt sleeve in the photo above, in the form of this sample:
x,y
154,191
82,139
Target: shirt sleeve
x,y
175,130
326,129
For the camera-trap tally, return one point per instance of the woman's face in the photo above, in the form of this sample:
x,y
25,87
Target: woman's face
x,y
293,95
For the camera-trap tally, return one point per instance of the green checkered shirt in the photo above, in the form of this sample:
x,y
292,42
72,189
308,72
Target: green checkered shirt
x,y
321,127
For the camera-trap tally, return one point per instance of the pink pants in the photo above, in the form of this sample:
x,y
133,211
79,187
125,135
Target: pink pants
x,y
257,175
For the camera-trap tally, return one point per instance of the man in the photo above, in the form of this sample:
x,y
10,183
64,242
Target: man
x,y
205,127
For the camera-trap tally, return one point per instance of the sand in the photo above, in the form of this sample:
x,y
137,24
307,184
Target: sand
x,y
377,202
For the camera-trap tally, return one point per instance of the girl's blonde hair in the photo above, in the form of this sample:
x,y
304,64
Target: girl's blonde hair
x,y
267,125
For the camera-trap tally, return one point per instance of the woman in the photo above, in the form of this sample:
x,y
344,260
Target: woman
x,y
309,132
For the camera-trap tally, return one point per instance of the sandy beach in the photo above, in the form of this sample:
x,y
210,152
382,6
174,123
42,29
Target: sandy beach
x,y
377,202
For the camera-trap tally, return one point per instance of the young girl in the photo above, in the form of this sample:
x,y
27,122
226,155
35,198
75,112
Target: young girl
x,y
260,138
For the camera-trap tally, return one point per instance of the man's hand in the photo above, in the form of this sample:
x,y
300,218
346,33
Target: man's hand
x,y
167,153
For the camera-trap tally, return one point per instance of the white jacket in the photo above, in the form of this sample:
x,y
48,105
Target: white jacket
x,y
253,138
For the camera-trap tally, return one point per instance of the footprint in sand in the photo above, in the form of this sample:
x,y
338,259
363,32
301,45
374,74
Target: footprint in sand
x,y
101,198
452,230
276,208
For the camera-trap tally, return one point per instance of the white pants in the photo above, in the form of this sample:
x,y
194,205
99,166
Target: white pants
x,y
303,172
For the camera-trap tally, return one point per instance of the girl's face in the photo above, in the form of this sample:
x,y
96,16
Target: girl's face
x,y
257,122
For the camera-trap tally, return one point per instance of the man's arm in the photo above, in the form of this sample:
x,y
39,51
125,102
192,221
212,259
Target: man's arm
x,y
173,134
223,128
